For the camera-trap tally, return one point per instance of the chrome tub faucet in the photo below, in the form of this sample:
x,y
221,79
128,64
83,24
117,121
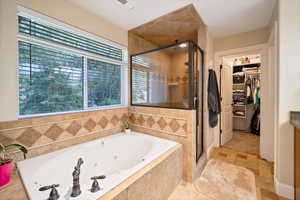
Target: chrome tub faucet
x,y
76,173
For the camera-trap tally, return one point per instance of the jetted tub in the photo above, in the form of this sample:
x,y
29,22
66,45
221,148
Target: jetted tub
x,y
117,157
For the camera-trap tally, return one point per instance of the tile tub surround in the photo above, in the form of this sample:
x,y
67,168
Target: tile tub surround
x,y
156,181
117,157
46,134
171,124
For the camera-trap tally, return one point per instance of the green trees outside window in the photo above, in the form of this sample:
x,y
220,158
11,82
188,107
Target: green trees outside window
x,y
53,81
104,83
62,70
49,80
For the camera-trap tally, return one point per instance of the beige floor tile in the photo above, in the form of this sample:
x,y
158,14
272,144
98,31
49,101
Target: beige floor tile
x,y
244,142
264,172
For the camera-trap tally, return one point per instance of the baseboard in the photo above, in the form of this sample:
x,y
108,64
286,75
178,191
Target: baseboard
x,y
210,151
284,190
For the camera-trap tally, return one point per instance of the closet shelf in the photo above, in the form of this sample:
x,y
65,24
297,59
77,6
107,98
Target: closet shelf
x,y
239,84
241,117
249,65
173,84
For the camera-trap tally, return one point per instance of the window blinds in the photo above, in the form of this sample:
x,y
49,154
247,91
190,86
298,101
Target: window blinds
x,y
139,86
50,80
104,83
52,34
139,60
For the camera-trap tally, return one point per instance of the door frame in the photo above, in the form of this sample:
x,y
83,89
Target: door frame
x,y
262,49
222,131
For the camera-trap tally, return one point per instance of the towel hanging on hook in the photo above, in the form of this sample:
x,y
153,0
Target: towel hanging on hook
x,y
213,98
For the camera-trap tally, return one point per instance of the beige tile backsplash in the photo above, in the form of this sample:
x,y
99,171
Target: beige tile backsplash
x,y
45,134
171,124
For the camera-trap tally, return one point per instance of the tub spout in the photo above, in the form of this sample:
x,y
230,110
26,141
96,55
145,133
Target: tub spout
x,y
76,173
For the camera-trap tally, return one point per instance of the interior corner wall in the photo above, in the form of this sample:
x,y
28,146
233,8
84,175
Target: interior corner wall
x,y
289,87
8,63
61,10
240,40
205,41
209,64
137,44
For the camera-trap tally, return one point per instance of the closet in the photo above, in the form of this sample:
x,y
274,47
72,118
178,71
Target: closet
x,y
246,94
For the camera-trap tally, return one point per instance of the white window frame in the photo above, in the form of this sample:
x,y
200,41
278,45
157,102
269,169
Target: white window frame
x,y
86,55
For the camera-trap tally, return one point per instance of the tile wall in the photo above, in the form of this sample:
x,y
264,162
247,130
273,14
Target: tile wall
x,y
173,124
45,134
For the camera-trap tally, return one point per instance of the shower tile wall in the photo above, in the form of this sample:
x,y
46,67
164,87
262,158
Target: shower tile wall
x,y
46,134
172,124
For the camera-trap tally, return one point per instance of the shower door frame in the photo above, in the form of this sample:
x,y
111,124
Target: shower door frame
x,y
193,103
196,104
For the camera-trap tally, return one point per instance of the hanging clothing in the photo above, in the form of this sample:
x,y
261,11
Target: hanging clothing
x,y
213,99
257,96
255,122
249,96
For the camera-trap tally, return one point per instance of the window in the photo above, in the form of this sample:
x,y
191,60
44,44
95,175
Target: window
x,y
140,60
63,71
140,86
104,83
49,80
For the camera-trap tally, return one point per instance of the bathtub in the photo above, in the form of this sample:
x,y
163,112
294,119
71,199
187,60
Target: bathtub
x,y
117,157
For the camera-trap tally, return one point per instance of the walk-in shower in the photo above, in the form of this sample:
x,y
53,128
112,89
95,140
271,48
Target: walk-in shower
x,y
170,77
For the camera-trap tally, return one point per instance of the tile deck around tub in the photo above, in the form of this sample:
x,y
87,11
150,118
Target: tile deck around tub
x,y
186,191
168,162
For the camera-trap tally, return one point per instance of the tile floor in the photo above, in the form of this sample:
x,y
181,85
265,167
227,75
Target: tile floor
x,y
244,142
262,169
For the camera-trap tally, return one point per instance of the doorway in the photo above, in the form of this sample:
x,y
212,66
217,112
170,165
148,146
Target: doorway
x,y
240,81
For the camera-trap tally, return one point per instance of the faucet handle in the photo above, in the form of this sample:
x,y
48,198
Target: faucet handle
x,y
98,177
95,186
44,188
53,194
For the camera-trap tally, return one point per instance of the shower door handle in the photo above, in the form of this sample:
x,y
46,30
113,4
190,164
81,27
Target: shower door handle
x,y
195,102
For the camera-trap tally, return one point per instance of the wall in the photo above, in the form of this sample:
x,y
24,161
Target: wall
x,y
170,64
62,10
137,44
269,93
172,124
45,134
206,42
8,70
179,94
192,169
209,63
289,86
240,40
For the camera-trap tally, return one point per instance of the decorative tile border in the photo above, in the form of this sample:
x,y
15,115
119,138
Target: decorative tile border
x,y
163,123
37,132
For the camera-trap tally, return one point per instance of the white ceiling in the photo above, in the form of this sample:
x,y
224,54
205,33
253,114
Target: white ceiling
x,y
223,17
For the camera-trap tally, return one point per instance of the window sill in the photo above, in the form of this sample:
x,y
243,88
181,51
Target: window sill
x,y
72,112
